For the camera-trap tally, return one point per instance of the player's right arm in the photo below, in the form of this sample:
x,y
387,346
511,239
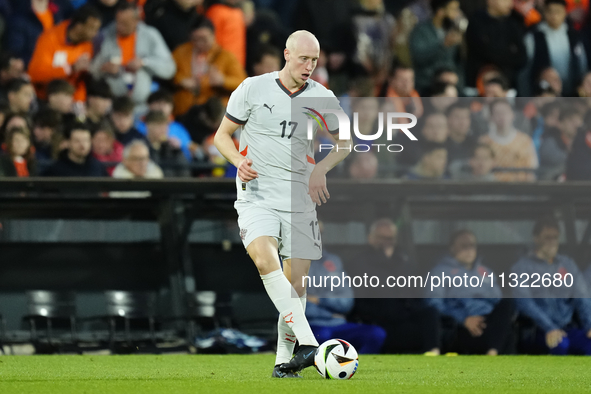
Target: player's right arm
x,y
224,143
237,113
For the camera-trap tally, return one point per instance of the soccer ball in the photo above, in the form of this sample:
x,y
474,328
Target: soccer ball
x,y
336,359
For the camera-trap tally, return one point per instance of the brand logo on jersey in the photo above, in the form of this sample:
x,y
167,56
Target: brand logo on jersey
x,y
290,315
269,108
243,233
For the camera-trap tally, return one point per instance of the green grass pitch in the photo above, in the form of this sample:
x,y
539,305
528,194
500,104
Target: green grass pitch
x,y
181,374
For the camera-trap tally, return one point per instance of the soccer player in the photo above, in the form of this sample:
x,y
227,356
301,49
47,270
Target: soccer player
x,y
278,187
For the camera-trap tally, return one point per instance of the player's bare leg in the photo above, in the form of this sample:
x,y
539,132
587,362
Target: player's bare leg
x,y
295,270
264,253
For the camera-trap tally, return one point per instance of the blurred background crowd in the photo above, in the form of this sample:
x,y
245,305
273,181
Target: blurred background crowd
x,y
546,319
136,89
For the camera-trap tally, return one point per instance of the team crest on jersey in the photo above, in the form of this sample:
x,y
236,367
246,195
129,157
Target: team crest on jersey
x,y
243,233
313,114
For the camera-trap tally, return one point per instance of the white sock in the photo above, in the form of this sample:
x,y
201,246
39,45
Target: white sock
x,y
286,339
290,308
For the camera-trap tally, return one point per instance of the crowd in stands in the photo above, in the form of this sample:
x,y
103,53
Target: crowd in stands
x,y
500,87
87,86
540,319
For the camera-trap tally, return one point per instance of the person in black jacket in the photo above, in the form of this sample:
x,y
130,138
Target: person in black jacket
x,y
412,325
557,143
122,119
99,99
107,9
165,151
495,37
173,19
20,94
11,67
25,26
60,98
47,134
578,163
6,166
76,161
554,44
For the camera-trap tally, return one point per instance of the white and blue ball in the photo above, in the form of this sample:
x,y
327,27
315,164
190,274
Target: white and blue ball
x,y
336,359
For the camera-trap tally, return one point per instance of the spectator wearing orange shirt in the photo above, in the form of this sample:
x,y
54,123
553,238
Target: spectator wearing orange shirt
x,y
401,88
577,11
230,28
131,55
204,69
65,52
527,8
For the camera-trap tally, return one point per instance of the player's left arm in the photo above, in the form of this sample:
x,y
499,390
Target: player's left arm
x,y
317,187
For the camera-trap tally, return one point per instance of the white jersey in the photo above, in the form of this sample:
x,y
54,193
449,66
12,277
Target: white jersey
x,y
275,138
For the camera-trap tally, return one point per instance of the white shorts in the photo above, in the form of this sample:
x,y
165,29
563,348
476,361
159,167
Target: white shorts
x,y
297,234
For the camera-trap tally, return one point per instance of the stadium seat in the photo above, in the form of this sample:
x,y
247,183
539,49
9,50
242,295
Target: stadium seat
x,y
53,312
205,311
132,311
254,314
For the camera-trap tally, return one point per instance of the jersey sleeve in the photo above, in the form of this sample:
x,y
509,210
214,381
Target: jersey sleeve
x,y
238,109
332,121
